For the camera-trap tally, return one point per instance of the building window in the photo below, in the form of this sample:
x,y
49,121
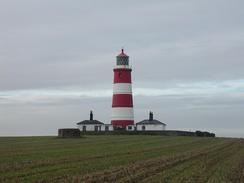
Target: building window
x,y
96,128
83,128
143,128
129,127
106,128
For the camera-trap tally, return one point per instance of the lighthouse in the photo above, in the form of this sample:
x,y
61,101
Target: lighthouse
x,y
122,102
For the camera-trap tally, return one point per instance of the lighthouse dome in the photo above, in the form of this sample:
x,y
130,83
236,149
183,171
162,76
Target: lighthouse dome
x,y
122,58
122,54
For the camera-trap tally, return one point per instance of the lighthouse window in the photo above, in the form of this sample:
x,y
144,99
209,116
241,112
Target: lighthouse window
x,y
122,61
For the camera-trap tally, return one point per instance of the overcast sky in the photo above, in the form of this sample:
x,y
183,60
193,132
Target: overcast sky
x,y
57,56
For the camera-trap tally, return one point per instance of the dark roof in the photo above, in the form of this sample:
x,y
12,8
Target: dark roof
x,y
150,122
122,54
90,122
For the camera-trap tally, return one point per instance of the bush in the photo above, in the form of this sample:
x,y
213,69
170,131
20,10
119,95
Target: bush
x,y
204,134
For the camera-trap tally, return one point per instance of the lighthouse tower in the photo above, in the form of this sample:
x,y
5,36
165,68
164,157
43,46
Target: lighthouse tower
x,y
122,103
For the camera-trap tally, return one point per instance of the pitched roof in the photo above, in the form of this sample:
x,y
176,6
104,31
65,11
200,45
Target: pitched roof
x,y
150,122
90,122
122,54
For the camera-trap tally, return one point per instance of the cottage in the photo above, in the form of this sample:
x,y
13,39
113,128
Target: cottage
x,y
90,125
150,124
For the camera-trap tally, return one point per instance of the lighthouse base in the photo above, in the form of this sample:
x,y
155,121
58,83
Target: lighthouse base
x,y
121,124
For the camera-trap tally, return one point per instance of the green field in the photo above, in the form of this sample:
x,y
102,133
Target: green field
x,y
121,158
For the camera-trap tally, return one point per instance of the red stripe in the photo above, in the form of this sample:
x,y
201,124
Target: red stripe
x,y
122,75
122,123
122,100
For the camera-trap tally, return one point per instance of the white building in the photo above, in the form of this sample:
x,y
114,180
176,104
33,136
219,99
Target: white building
x,y
145,125
93,125
90,125
150,124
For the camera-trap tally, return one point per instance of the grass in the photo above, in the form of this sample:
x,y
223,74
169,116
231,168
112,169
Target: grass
x,y
121,158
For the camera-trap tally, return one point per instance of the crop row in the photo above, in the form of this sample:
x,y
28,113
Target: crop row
x,y
141,170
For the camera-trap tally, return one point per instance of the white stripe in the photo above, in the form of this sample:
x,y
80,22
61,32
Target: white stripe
x,y
122,67
122,88
122,113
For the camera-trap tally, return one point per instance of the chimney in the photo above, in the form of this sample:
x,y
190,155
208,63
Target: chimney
x,y
91,115
150,116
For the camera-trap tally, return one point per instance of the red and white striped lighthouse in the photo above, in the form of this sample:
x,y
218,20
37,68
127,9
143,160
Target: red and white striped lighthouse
x,y
122,103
